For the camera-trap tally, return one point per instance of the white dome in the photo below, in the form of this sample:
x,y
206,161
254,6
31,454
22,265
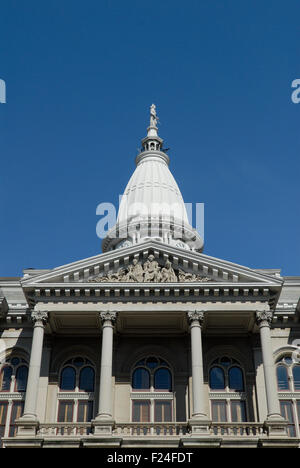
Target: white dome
x,y
152,191
152,206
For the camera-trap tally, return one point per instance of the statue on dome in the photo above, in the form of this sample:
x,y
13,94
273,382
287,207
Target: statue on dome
x,y
153,117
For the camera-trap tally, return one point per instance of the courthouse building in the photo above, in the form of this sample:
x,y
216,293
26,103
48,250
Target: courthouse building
x,y
151,343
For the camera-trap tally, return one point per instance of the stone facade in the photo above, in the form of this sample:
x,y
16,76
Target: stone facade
x,y
151,343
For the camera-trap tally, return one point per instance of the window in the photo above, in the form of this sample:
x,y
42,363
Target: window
x,y
288,381
152,391
13,382
286,408
3,414
77,376
226,376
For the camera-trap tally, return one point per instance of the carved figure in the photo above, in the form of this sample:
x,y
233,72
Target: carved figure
x,y
151,270
168,274
135,272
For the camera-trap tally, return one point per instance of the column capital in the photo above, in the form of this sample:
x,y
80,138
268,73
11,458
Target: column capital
x,y
39,316
108,316
195,316
264,317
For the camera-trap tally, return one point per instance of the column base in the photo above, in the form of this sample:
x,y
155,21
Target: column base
x,y
103,426
276,427
199,426
27,426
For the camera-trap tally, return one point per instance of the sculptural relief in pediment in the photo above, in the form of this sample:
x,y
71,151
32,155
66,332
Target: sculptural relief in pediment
x,y
150,272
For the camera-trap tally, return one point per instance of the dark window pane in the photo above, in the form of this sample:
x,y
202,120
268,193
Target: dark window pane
x,y
21,378
141,411
3,413
236,381
68,379
78,362
86,379
65,411
15,361
85,411
296,377
225,361
282,378
219,411
5,378
286,409
238,411
216,378
16,413
141,379
163,380
152,362
163,411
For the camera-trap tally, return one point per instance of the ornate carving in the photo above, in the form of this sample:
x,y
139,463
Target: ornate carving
x,y
39,316
195,315
150,272
264,316
107,315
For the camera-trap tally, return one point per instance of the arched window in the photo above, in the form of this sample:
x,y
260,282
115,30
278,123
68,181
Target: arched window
x,y
21,378
235,377
288,382
87,379
282,378
296,377
226,375
152,375
163,379
13,381
68,378
141,379
216,378
78,376
5,378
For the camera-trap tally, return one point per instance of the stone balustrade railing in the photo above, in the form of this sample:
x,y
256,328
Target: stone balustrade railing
x,y
151,429
64,429
171,429
239,429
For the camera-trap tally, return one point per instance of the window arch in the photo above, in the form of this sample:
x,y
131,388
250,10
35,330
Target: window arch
x,y
141,379
5,378
68,378
217,378
77,376
13,382
21,378
288,384
152,396
226,375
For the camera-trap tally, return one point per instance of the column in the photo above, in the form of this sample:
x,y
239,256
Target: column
x,y
199,421
264,320
104,421
39,319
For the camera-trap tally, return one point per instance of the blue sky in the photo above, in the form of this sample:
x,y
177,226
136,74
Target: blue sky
x,y
80,78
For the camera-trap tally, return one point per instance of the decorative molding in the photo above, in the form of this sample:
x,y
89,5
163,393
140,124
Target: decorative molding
x,y
264,316
108,316
151,395
149,272
195,316
39,316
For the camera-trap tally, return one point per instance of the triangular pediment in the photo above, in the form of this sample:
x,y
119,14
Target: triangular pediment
x,y
151,262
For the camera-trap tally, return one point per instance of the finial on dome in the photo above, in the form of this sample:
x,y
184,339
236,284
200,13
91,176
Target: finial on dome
x,y
152,129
